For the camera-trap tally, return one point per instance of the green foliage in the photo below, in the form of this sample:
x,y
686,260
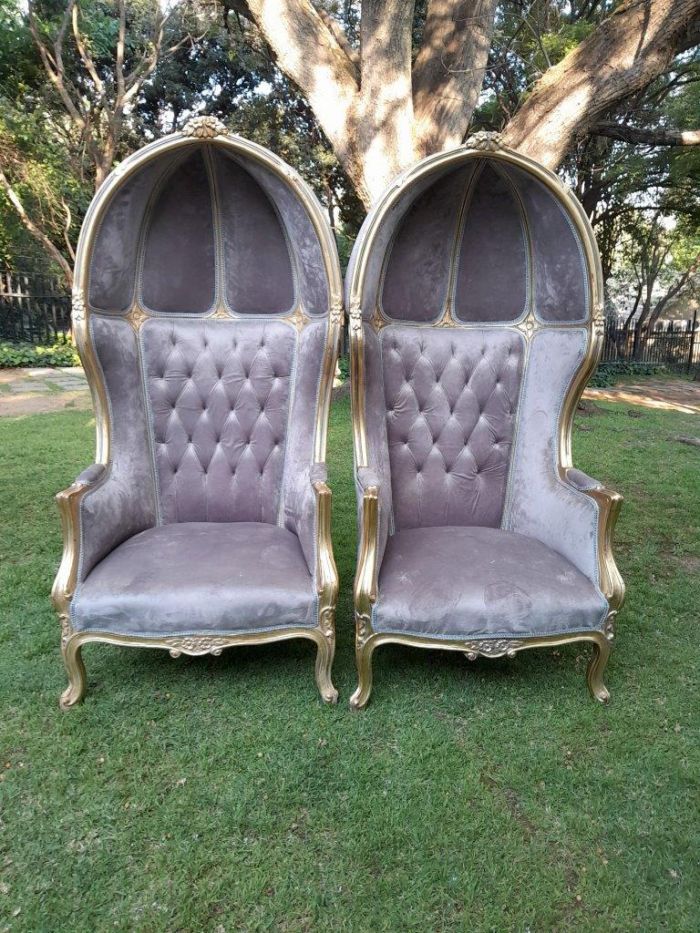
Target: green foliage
x,y
220,793
608,374
60,353
344,368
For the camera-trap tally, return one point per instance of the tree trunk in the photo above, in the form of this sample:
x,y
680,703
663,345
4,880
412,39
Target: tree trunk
x,y
381,114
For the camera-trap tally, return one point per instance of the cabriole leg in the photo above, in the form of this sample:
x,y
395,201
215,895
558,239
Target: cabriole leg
x,y
75,669
324,663
363,659
596,667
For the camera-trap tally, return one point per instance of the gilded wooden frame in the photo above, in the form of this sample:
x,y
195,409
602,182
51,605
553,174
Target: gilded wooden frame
x,y
481,145
212,132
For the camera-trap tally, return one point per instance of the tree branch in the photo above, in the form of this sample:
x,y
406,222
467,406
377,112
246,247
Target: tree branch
x,y
646,137
34,230
627,51
449,70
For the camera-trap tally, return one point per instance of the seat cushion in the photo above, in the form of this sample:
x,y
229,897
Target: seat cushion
x,y
199,577
464,582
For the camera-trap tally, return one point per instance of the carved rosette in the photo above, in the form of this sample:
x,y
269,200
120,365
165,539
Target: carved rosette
x,y
609,626
492,648
77,308
66,628
298,319
204,128
528,326
220,314
448,319
363,628
326,621
484,141
598,322
336,314
195,645
378,321
136,317
356,318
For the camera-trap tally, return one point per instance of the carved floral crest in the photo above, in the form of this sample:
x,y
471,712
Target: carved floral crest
x,y
204,128
484,141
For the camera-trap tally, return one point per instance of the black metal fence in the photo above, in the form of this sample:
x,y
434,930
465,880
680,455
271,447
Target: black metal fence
x,y
33,307
675,346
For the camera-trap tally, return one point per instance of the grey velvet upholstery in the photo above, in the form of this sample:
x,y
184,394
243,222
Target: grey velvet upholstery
x,y
177,273
202,225
450,400
219,402
123,502
190,577
204,519
473,286
459,582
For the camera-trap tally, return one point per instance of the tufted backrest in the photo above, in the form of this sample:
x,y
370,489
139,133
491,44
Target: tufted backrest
x,y
471,290
450,406
218,398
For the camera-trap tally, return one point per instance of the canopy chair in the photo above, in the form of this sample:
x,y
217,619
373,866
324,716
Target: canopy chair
x,y
476,316
207,309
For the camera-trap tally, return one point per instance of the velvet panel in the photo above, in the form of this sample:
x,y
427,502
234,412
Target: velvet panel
x,y
559,272
196,578
539,503
451,397
417,270
312,278
113,265
298,512
376,436
124,504
218,394
257,267
492,274
178,261
461,582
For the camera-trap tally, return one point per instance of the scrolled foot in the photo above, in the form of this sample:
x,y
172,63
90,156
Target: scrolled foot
x,y
324,663
363,658
75,669
596,667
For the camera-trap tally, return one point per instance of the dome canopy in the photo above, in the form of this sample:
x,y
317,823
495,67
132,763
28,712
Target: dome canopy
x,y
482,236
193,225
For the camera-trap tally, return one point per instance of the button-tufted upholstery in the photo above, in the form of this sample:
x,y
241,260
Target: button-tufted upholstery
x,y
451,399
218,394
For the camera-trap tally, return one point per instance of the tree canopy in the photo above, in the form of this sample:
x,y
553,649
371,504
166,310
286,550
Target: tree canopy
x,y
350,93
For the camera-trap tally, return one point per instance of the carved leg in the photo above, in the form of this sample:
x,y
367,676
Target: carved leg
x,y
596,666
75,669
363,659
324,663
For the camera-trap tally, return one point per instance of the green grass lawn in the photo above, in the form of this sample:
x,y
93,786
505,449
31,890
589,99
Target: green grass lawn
x,y
221,794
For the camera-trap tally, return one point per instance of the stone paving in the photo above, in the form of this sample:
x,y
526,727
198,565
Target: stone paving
x,y
31,390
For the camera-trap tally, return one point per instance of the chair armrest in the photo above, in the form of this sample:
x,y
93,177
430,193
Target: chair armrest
x,y
609,504
365,590
581,481
68,501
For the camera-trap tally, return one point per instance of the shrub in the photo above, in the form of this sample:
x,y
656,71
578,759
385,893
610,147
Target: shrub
x,y
607,374
60,353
